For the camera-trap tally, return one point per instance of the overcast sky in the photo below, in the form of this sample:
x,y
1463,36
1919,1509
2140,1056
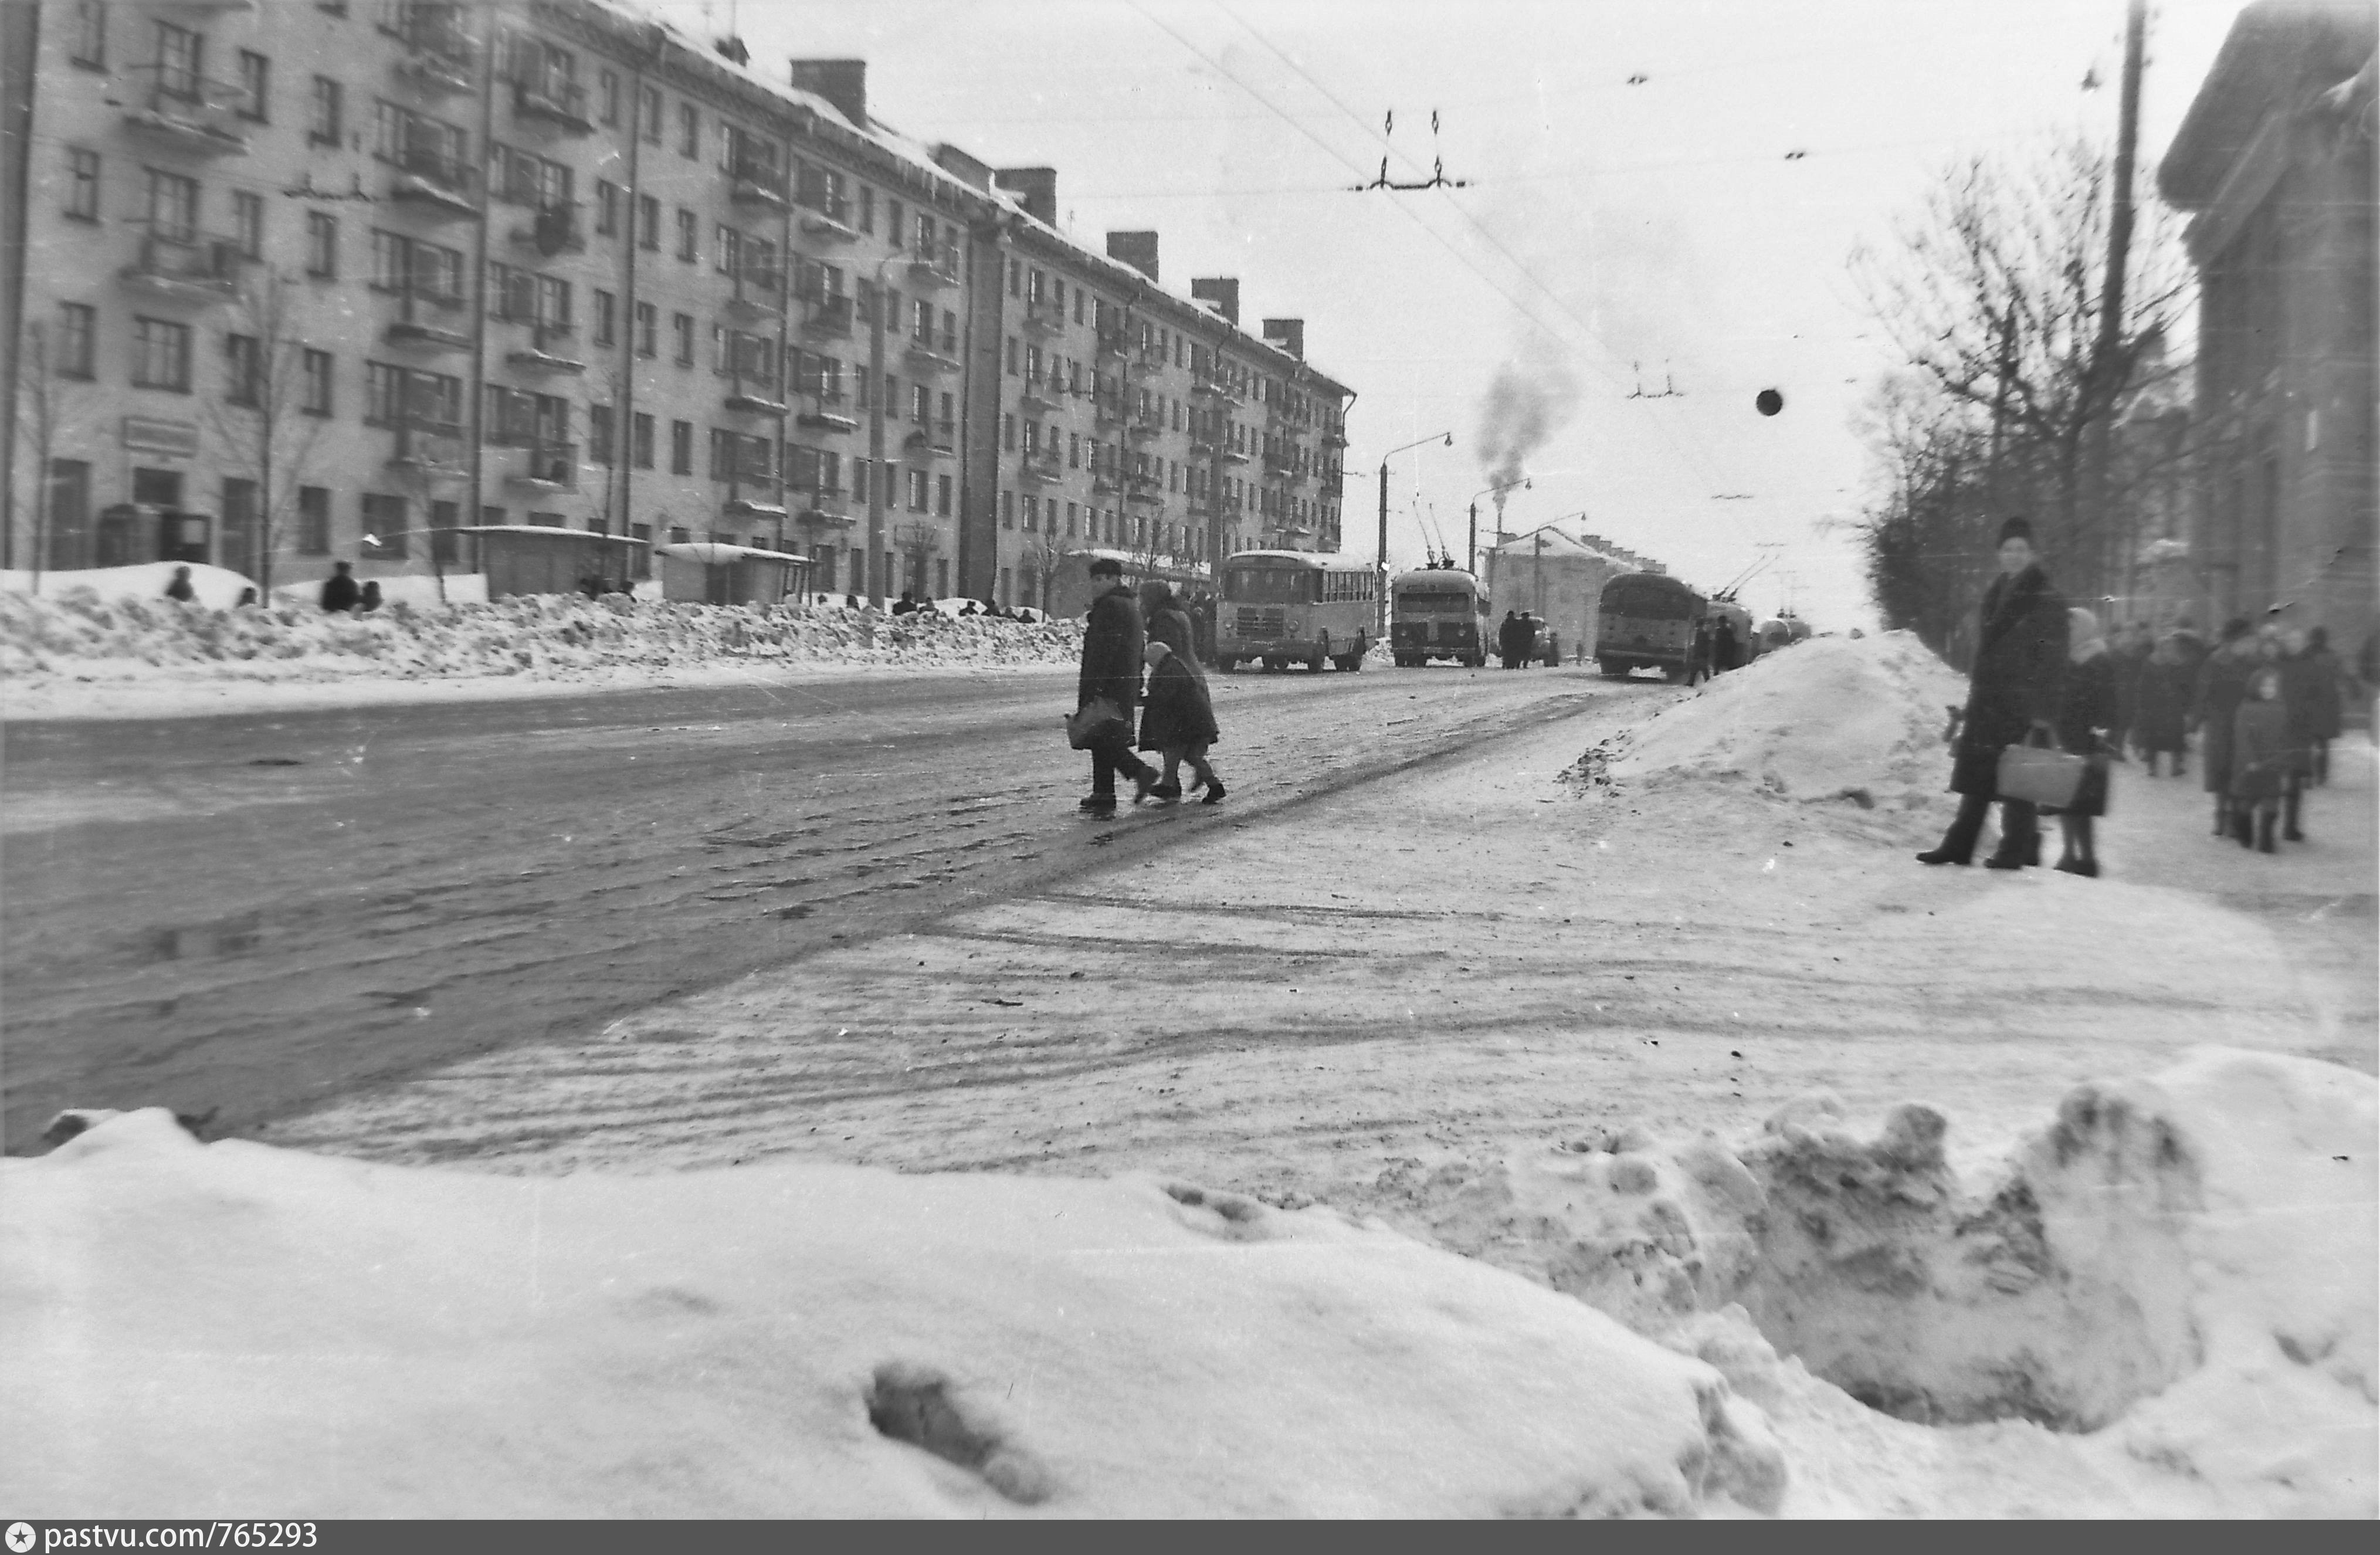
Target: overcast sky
x,y
1610,219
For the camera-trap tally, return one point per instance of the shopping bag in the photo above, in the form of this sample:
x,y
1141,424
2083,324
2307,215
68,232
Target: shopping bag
x,y
1093,722
2042,773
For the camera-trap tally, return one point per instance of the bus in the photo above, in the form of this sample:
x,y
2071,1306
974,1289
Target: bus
x,y
1437,613
1070,592
1280,607
1647,622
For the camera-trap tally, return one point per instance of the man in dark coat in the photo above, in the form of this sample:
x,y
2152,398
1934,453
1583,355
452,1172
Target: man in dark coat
x,y
1508,648
2222,686
181,587
2014,692
1726,652
340,590
1112,643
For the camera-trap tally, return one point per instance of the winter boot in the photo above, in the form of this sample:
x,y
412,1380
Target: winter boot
x,y
2222,817
2244,826
2290,831
2264,831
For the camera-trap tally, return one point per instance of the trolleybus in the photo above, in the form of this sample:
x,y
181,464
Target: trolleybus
x,y
1437,613
1646,622
1284,607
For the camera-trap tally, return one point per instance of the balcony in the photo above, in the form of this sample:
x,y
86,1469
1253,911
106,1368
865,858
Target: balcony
x,y
431,451
753,402
1107,414
1217,389
554,230
547,356
1037,398
416,331
1142,429
551,103
938,443
1146,365
747,507
1043,319
821,508
753,181
441,188
1106,483
922,355
1042,468
1235,455
1112,344
1334,438
205,271
758,294
545,467
935,272
827,317
1144,489
441,57
188,113
828,219
820,416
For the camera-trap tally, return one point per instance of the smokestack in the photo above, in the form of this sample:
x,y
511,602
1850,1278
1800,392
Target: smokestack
x,y
843,82
1035,188
1287,333
1223,291
1138,250
960,165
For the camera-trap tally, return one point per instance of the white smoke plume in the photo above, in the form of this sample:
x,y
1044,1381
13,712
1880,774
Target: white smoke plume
x,y
1530,397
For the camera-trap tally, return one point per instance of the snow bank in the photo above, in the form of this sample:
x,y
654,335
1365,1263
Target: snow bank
x,y
82,635
1836,717
2178,1273
215,587
200,1330
419,590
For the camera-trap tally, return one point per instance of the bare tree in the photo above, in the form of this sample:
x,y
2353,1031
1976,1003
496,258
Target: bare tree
x,y
263,419
1038,560
49,407
1991,295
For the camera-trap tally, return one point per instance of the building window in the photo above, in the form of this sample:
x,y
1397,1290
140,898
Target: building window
x,y
83,184
892,223
607,208
599,434
689,129
321,244
681,447
244,369
607,96
916,491
648,221
942,495
867,209
86,37
682,328
177,60
604,306
317,387
313,521
641,434
1008,510
173,206
687,224
247,222
385,526
650,114
255,85
161,355
647,328
323,124
77,337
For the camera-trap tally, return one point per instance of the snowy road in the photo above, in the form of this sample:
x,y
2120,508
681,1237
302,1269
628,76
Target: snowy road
x,y
261,914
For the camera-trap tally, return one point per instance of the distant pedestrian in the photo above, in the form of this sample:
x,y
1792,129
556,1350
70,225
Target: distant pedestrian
x,y
1727,653
2087,721
246,598
2314,684
851,601
1508,648
906,605
340,590
1178,722
179,588
2162,717
2261,759
1698,653
2131,655
1113,641
2013,694
1526,638
2222,685
369,601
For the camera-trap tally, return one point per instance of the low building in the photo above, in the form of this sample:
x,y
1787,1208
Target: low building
x,y
1558,579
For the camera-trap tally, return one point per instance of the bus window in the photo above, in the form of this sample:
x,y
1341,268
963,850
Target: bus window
x,y
1272,585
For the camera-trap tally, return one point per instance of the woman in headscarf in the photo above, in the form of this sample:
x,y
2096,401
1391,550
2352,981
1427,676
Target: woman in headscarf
x,y
2013,692
2087,721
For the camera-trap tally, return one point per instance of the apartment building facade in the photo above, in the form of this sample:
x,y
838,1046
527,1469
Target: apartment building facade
x,y
368,281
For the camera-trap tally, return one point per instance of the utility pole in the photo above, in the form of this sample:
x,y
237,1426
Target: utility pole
x,y
876,569
2110,366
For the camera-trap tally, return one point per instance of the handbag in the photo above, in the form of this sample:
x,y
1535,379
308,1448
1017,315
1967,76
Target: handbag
x,y
2042,774
1093,722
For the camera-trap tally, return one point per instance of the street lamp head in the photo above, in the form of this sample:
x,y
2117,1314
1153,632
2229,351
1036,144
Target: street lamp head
x,y
1450,440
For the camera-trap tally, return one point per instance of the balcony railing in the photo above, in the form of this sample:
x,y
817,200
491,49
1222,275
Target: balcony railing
x,y
826,216
554,230
828,318
187,112
756,181
546,467
1037,398
921,354
1144,428
821,507
413,326
1042,467
444,187
935,269
1112,344
195,269
440,55
758,293
547,354
756,399
551,102
434,450
1041,318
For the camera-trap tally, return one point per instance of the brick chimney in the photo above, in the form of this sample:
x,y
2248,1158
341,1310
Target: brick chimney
x,y
1035,188
961,166
1287,333
843,82
1223,291
1138,250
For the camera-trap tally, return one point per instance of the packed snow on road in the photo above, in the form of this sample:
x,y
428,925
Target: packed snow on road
x,y
1677,1217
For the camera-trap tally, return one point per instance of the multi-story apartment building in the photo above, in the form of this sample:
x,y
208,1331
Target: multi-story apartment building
x,y
297,280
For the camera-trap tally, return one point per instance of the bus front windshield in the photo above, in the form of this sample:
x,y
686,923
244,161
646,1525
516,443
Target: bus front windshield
x,y
1435,602
1271,585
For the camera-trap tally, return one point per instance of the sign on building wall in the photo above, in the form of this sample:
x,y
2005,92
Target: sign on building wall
x,y
148,436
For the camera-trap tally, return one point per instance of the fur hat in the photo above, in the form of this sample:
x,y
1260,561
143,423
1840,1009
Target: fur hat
x,y
2016,527
1105,567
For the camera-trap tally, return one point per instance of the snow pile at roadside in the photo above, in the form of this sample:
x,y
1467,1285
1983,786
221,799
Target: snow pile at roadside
x,y
1835,717
200,1331
80,635
2174,1282
216,588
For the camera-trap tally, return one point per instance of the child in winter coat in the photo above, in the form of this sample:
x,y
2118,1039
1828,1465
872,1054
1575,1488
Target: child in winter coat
x,y
2262,754
2160,718
1177,721
2086,722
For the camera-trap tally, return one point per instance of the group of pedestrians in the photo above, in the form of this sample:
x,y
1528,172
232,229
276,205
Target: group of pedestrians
x,y
1517,640
1123,636
2266,703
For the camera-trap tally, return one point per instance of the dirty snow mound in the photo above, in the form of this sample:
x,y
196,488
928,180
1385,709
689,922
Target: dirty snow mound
x,y
215,587
1857,718
200,1330
2180,1270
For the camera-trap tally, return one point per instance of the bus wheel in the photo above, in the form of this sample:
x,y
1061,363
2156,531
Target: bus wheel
x,y
1673,673
1226,664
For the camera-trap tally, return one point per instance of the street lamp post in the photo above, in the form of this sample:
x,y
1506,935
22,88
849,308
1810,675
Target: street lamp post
x,y
874,569
1392,454
1471,556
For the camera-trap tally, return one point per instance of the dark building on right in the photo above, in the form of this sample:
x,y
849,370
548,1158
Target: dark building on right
x,y
2275,163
